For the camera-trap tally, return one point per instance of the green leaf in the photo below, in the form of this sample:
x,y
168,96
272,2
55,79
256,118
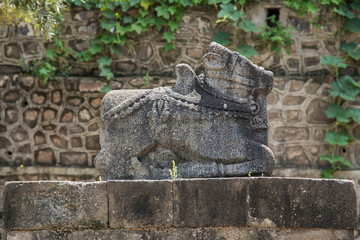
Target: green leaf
x,y
355,6
95,48
333,110
169,36
50,54
106,72
328,173
337,159
172,10
108,24
162,11
247,50
222,38
159,23
115,48
333,61
169,46
173,25
355,114
230,11
106,89
127,19
340,139
346,88
104,62
353,25
137,28
248,26
107,38
351,49
344,11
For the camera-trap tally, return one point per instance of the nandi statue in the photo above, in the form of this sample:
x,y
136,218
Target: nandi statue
x,y
211,125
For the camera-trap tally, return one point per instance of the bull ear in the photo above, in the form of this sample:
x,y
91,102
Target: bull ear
x,y
213,61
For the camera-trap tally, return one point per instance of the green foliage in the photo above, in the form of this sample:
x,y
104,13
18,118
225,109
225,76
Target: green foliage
x,y
146,78
247,50
277,36
106,89
173,172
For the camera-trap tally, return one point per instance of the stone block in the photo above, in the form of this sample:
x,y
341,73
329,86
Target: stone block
x,y
67,116
293,116
92,142
56,97
302,203
4,142
74,101
39,138
11,115
144,51
312,88
11,96
282,134
89,30
73,158
210,202
49,114
45,156
223,233
296,86
12,50
140,204
19,134
311,61
84,115
90,86
27,82
58,141
38,98
293,100
55,205
31,48
315,112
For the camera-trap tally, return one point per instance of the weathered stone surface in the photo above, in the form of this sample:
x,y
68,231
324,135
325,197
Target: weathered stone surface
x,y
11,115
38,98
31,48
144,51
19,134
4,80
56,97
293,100
74,101
311,203
55,205
296,86
312,88
296,155
89,30
63,131
12,50
293,63
93,127
227,207
76,142
137,82
25,148
49,127
84,115
221,233
45,156
49,114
4,142
319,134
80,45
39,138
139,204
221,114
73,158
301,25
77,129
195,53
293,116
282,134
67,116
125,67
315,112
272,98
95,102
25,29
311,61
27,82
90,86
2,128
11,96
58,141
30,117
92,142
275,115
84,15
169,57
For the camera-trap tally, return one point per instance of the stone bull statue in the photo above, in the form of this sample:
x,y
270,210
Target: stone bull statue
x,y
211,125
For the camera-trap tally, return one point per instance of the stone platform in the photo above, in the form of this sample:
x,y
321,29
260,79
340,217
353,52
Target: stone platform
x,y
231,208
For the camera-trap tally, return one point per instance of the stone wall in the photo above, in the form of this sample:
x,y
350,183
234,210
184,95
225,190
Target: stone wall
x,y
232,208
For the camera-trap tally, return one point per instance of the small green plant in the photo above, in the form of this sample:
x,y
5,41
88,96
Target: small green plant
x,y
146,78
173,172
249,174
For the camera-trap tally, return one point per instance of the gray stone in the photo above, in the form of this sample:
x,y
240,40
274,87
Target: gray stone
x,y
38,98
11,96
73,158
58,141
311,61
89,30
226,123
311,203
27,82
92,142
12,50
19,134
25,29
11,115
45,156
84,115
67,116
74,101
210,202
169,57
144,51
139,204
56,97
77,129
39,138
125,67
293,100
55,205
49,114
4,142
282,134
76,142
31,48
315,112
293,63
80,45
